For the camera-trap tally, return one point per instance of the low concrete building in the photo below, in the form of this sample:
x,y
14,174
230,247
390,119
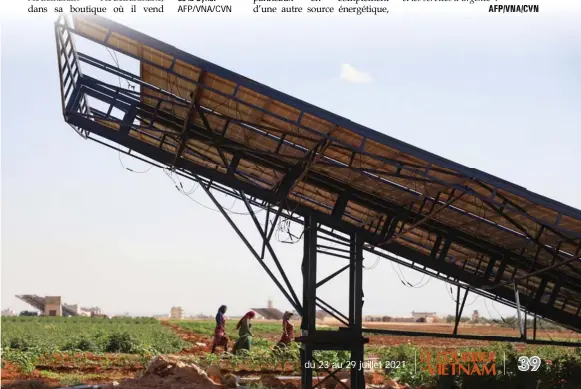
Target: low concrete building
x,y
428,317
53,306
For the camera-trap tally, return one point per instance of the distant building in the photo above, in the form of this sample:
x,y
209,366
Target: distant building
x,y
53,306
428,317
268,313
475,316
92,311
176,313
73,308
8,312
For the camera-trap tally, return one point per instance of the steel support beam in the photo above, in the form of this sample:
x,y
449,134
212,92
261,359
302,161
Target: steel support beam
x,y
459,308
308,323
355,308
298,308
263,234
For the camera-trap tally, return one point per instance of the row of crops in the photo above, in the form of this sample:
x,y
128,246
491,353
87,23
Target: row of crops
x,y
122,335
127,343
30,341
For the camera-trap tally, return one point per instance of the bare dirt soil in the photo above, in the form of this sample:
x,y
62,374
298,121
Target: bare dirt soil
x,y
444,328
200,344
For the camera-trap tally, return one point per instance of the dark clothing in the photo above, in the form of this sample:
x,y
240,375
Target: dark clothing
x,y
220,338
219,318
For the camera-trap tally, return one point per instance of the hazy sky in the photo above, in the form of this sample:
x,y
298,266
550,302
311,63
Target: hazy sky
x,y
501,93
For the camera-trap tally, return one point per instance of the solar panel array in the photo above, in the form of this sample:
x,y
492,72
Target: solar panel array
x,y
209,121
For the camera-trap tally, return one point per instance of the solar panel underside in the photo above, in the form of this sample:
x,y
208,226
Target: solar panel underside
x,y
260,136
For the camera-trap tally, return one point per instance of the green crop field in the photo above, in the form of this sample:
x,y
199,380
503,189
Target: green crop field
x,y
126,335
30,341
126,344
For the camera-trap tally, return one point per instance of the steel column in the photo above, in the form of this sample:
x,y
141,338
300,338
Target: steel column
x,y
356,308
309,270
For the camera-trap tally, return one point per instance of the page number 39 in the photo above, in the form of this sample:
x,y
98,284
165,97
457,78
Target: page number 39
x,y
525,363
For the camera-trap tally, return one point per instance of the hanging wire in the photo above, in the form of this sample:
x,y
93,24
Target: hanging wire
x,y
131,170
450,294
283,228
179,186
501,317
405,282
377,259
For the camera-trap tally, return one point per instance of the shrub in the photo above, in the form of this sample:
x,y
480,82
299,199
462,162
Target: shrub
x,y
19,343
120,342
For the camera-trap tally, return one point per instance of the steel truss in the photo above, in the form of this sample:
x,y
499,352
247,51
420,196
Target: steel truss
x,y
488,277
316,240
319,227
349,337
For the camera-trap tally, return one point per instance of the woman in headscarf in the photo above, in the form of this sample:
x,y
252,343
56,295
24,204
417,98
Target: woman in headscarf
x,y
288,331
220,338
243,327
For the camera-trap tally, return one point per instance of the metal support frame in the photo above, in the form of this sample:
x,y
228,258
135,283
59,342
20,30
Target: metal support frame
x,y
440,231
356,307
308,325
346,338
76,87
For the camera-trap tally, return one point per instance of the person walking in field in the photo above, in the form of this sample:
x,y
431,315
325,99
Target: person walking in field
x,y
288,331
220,337
245,340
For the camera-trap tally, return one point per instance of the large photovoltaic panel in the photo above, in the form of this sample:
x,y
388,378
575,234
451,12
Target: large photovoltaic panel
x,y
208,121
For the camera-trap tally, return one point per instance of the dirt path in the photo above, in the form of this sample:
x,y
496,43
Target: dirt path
x,y
200,344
